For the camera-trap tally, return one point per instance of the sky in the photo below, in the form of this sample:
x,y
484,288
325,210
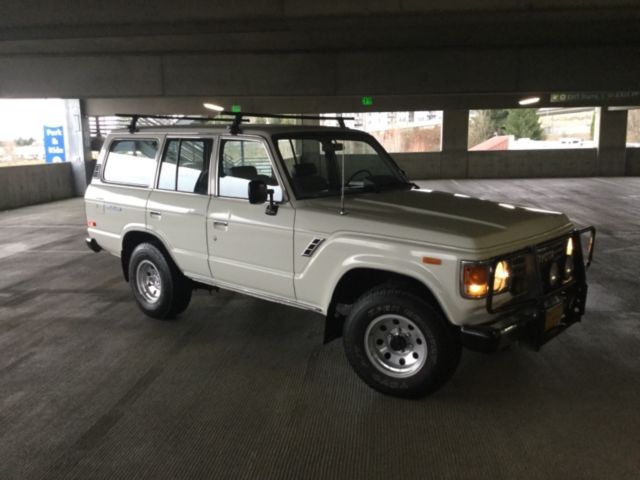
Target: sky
x,y
26,118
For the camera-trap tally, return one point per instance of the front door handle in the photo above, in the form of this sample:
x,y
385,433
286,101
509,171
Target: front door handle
x,y
220,223
156,215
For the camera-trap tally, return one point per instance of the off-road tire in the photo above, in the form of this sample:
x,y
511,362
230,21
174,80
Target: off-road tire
x,y
428,327
174,294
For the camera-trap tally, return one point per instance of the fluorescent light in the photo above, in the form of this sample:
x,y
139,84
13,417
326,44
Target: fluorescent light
x,y
529,100
213,106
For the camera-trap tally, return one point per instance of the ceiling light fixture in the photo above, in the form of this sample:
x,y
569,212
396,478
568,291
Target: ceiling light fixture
x,y
213,106
529,100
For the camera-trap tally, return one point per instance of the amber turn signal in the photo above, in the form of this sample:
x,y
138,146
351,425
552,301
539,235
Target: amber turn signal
x,y
475,280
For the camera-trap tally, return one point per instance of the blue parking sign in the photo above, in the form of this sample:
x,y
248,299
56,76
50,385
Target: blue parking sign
x,y
54,145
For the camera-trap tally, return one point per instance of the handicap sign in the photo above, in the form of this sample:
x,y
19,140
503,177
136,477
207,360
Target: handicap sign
x,y
54,145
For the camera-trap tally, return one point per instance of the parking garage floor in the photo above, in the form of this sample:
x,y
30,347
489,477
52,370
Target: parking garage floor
x,y
241,388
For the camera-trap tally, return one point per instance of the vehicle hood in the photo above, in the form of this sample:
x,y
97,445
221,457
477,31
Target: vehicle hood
x,y
442,218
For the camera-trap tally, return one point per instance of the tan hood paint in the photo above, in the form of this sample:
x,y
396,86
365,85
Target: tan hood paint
x,y
438,218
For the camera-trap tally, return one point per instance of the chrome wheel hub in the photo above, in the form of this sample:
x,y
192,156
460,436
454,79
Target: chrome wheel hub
x,y
148,281
395,345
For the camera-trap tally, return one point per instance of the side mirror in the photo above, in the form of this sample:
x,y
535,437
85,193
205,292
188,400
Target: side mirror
x,y
257,192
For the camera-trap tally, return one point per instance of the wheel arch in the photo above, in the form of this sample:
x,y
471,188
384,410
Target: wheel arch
x,y
132,239
355,282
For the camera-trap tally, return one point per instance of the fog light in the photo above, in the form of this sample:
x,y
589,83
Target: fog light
x,y
568,269
569,247
554,274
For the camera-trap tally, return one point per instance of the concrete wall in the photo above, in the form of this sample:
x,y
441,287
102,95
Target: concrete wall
x,y
31,184
504,164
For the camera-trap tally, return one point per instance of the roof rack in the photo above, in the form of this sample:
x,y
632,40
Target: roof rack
x,y
234,119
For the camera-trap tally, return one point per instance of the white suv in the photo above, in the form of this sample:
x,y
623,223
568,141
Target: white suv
x,y
322,219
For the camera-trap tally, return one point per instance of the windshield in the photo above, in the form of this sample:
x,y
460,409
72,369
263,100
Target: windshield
x,y
315,163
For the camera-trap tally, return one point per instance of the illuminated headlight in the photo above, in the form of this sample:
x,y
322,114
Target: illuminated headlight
x,y
568,263
501,277
475,279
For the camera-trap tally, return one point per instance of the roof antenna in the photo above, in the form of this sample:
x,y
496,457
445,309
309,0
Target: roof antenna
x,y
342,210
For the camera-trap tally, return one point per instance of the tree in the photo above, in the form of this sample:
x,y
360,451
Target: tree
x,y
484,124
480,127
23,142
524,123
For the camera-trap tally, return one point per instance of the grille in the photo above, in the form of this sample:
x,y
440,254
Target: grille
x,y
550,252
523,268
552,256
531,272
518,264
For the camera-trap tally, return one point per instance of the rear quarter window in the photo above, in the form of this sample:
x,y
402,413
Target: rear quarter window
x,y
131,162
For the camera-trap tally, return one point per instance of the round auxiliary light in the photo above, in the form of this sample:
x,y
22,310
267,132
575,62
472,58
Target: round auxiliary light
x,y
554,274
568,268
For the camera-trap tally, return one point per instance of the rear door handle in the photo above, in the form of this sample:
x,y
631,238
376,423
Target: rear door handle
x,y
157,215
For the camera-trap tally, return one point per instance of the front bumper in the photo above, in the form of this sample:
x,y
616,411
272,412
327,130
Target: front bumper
x,y
540,315
532,325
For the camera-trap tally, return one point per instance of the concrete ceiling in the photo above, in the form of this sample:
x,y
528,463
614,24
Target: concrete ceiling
x,y
316,56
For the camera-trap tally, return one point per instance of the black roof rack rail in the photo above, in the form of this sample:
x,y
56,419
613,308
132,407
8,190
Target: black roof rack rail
x,y
235,119
133,125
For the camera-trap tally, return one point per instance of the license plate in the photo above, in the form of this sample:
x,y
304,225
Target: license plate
x,y
554,316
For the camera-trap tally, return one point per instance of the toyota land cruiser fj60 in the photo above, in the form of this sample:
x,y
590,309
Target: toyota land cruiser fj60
x,y
322,219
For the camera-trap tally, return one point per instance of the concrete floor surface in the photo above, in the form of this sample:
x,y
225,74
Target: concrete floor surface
x,y
240,388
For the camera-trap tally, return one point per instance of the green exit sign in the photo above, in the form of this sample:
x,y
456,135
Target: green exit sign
x,y
236,108
367,101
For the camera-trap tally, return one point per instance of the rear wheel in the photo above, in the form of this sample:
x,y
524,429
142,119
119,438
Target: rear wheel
x,y
160,290
399,344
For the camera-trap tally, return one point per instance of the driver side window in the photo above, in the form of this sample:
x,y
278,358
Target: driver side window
x,y
242,161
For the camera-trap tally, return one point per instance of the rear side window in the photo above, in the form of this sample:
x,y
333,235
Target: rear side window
x,y
185,165
131,162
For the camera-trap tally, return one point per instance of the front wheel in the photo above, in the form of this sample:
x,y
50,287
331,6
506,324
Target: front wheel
x,y
399,344
160,290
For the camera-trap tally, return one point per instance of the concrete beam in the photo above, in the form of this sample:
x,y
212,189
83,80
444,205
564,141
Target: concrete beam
x,y
415,72
28,13
80,76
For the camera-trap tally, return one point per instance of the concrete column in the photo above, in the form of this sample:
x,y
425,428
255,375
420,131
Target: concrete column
x,y
455,130
89,162
76,143
611,135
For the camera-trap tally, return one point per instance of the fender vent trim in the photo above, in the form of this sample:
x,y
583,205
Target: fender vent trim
x,y
312,247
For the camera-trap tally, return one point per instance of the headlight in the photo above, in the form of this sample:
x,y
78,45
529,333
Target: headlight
x,y
475,279
501,277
